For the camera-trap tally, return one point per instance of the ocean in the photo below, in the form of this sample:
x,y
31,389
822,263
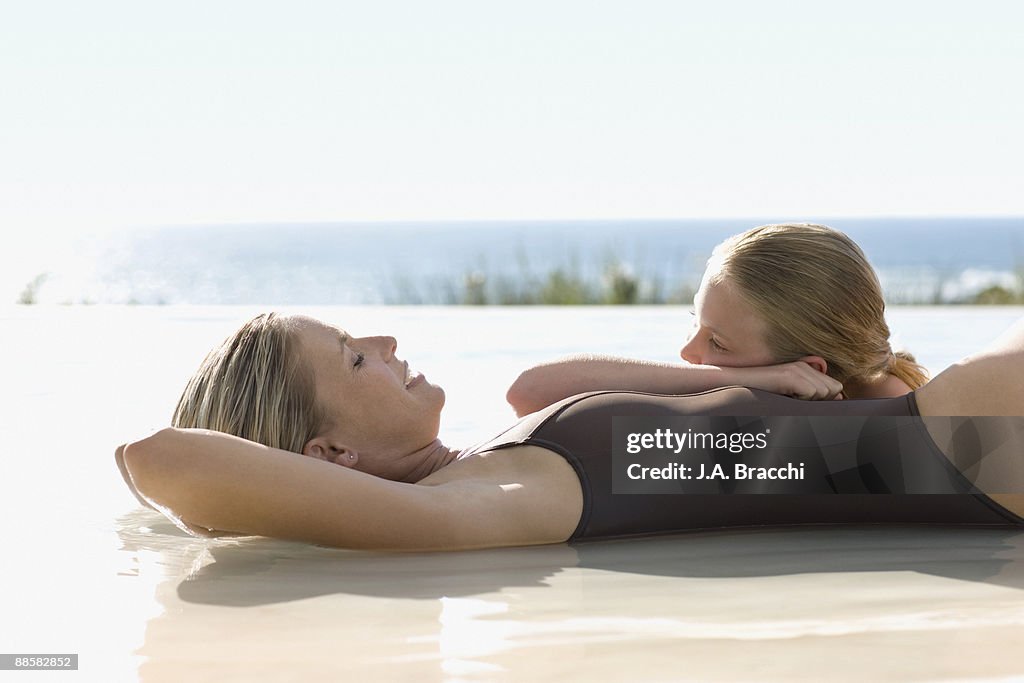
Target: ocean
x,y
919,260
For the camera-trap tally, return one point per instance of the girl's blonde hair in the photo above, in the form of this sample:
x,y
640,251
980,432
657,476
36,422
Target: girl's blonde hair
x,y
255,385
819,296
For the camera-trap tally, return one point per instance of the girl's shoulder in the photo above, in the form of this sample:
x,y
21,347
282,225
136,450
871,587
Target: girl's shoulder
x,y
889,386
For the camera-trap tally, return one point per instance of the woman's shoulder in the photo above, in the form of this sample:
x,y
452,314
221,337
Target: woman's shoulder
x,y
519,495
526,463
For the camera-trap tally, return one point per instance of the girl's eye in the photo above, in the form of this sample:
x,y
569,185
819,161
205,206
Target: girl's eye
x,y
359,360
715,345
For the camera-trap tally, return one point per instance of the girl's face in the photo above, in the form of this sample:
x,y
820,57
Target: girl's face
x,y
726,330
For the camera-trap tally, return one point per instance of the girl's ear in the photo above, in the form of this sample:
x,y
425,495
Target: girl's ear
x,y
816,362
321,448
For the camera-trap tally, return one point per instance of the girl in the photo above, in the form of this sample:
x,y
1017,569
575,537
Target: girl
x,y
794,309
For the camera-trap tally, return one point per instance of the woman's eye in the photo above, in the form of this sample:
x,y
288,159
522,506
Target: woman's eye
x,y
359,360
715,345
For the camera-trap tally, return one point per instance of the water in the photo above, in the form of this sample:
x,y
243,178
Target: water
x,y
80,552
918,260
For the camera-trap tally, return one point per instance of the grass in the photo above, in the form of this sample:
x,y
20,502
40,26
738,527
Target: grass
x,y
617,286
30,294
565,285
568,285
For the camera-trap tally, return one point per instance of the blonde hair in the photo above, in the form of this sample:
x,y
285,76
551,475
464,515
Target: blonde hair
x,y
255,385
818,294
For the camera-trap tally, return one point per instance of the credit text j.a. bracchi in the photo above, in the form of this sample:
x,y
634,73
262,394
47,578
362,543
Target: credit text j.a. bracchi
x,y
734,442
677,470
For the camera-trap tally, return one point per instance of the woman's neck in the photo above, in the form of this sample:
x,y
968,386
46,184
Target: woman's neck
x,y
423,462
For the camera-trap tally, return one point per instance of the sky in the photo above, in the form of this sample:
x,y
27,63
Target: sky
x,y
124,114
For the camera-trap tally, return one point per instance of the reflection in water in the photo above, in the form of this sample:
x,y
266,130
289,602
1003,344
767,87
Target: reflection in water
x,y
480,613
467,634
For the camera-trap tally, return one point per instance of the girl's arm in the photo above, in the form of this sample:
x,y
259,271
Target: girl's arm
x,y
210,483
544,384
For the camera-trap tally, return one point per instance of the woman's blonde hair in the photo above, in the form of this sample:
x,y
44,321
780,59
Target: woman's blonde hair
x,y
255,385
819,296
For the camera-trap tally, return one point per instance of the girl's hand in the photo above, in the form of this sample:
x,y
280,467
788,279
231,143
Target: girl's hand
x,y
797,379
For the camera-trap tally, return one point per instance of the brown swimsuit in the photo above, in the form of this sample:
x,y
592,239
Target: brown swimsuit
x,y
883,468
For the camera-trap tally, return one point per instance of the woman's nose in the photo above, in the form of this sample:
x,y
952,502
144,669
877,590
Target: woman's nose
x,y
384,345
388,346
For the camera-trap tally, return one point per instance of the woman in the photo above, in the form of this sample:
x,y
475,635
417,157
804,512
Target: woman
x,y
795,309
358,411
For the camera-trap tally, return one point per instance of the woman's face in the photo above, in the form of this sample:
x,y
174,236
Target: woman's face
x,y
726,330
374,402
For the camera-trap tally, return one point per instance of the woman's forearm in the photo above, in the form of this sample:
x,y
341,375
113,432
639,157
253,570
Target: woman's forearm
x,y
547,383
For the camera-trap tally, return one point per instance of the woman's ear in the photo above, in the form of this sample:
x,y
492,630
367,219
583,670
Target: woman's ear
x,y
321,448
816,362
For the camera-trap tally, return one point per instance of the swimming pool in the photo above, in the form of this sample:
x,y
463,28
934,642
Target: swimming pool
x,y
87,571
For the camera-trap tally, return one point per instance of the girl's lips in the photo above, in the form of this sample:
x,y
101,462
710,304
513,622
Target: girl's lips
x,y
417,379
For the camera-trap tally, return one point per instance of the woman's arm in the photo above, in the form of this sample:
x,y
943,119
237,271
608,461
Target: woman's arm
x,y
211,481
544,384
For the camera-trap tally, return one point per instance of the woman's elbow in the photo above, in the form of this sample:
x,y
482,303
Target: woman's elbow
x,y
144,463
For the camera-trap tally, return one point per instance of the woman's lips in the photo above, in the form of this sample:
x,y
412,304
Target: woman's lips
x,y
417,378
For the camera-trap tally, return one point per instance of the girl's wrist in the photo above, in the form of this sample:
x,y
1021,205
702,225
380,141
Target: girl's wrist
x,y
728,376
